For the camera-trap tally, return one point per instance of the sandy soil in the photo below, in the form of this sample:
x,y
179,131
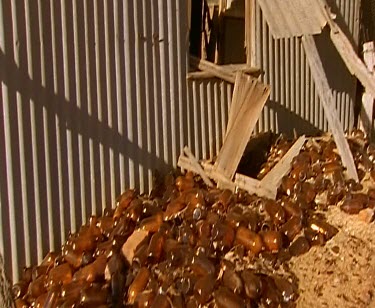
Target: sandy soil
x,y
342,273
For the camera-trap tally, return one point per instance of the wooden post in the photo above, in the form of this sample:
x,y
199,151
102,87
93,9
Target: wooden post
x,y
367,109
249,7
328,102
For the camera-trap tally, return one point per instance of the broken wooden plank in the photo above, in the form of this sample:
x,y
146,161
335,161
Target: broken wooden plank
x,y
218,177
236,103
251,104
233,68
212,68
186,164
367,109
273,178
253,186
198,167
328,103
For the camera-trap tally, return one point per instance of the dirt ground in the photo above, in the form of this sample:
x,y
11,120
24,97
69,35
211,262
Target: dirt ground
x,y
341,273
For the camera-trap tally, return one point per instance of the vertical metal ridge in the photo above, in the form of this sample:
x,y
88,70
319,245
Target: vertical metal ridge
x,y
148,90
181,26
217,119
128,87
202,128
81,160
34,142
172,78
209,121
93,199
58,124
139,94
108,78
303,100
9,160
21,147
68,131
120,124
195,116
161,40
99,103
49,206
155,65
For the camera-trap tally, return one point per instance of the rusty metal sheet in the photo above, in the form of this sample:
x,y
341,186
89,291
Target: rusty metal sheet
x,y
288,18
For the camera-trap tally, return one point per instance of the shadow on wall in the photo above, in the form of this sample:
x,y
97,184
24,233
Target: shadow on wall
x,y
289,122
85,122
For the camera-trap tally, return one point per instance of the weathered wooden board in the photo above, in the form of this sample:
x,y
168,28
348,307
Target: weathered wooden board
x,y
367,110
328,103
273,178
214,69
247,111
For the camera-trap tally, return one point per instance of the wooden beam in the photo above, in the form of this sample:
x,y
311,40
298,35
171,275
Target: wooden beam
x,y
273,178
328,103
348,54
367,109
249,7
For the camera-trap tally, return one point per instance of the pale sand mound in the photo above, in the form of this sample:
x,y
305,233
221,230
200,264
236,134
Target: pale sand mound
x,y
342,273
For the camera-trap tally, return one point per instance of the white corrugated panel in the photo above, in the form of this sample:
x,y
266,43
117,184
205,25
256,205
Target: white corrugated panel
x,y
294,102
303,17
94,99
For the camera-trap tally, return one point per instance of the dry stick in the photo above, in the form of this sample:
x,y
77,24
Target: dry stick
x,y
198,167
273,178
328,103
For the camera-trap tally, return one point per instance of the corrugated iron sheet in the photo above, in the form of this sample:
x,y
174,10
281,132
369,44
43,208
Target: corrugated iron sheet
x,y
303,17
294,102
94,99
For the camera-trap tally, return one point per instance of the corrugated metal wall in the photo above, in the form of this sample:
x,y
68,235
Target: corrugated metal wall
x,y
94,98
294,102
